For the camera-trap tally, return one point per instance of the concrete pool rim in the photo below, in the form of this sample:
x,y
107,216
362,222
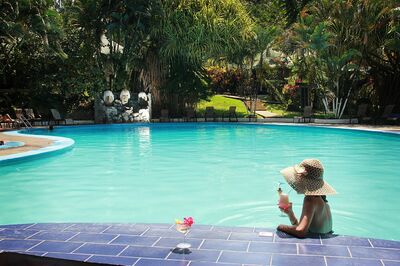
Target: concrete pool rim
x,y
153,243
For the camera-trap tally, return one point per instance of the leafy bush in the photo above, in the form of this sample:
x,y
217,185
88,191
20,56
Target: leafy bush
x,y
227,80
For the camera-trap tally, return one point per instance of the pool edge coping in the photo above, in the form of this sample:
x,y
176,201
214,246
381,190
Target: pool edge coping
x,y
386,250
333,126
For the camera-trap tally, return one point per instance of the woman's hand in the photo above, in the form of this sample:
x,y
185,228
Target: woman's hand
x,y
286,208
281,227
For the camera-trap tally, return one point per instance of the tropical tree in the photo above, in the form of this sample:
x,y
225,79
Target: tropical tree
x,y
161,46
378,39
293,8
324,54
30,33
188,35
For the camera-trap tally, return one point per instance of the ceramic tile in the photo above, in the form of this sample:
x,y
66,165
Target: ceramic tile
x,y
245,258
225,245
100,249
113,260
147,252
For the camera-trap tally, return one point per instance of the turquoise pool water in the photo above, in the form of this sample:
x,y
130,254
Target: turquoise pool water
x,y
222,174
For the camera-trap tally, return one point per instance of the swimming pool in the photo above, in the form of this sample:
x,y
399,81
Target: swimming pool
x,y
223,174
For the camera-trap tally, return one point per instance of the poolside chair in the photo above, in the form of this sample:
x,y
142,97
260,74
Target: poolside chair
x,y
252,116
210,114
3,123
164,117
190,115
386,115
232,114
7,122
56,117
307,114
362,113
30,115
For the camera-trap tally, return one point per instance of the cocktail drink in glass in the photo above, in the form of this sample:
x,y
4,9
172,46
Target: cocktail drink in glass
x,y
184,227
283,202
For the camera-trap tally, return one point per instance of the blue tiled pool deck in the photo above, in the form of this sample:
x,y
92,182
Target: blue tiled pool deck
x,y
152,244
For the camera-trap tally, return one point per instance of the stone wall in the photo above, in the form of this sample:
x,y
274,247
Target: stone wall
x,y
123,107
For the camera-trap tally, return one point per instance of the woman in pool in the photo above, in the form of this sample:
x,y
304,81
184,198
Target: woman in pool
x,y
307,178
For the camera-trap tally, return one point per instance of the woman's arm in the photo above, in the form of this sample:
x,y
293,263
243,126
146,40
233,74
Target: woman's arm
x,y
301,229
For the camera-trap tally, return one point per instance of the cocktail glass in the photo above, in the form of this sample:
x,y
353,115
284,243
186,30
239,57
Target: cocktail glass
x,y
283,201
184,229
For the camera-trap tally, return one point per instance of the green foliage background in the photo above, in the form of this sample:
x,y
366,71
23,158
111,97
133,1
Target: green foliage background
x,y
54,56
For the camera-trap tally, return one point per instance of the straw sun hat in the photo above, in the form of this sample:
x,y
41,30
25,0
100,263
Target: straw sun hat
x,y
307,178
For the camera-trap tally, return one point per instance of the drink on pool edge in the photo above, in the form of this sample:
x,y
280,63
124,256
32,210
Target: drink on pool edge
x,y
183,227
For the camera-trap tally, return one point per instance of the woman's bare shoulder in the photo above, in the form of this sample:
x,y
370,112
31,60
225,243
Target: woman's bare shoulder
x,y
311,198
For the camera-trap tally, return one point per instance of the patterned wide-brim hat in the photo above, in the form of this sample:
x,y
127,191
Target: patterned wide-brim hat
x,y
307,178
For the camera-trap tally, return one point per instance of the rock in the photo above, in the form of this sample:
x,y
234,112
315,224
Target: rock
x,y
125,117
144,115
125,109
110,113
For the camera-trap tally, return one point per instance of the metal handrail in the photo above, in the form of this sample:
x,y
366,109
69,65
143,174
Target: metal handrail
x,y
25,121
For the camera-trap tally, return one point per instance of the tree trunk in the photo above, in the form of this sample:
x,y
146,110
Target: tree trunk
x,y
153,78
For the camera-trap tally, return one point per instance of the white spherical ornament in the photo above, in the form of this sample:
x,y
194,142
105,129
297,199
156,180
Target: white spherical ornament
x,y
108,97
125,95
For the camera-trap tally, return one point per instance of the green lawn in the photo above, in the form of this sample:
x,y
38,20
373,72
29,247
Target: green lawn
x,y
221,105
280,109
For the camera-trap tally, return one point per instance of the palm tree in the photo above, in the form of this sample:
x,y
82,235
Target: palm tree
x,y
325,53
189,34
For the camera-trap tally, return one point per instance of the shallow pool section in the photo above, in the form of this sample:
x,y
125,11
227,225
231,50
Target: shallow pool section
x,y
12,144
222,174
59,144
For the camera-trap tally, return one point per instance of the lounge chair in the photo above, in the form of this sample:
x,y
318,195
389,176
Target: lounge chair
x,y
307,114
209,114
362,113
164,117
56,117
252,117
386,115
232,114
2,122
7,122
190,115
30,115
